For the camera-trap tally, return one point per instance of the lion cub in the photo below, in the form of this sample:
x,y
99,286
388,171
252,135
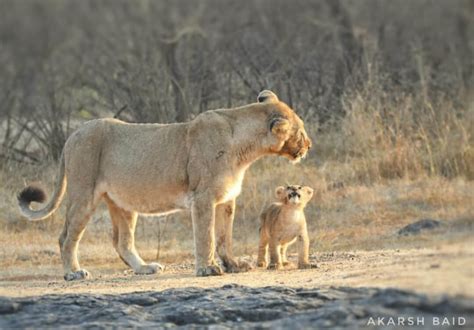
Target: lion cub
x,y
281,224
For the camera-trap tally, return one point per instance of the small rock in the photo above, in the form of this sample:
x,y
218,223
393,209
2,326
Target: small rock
x,y
416,227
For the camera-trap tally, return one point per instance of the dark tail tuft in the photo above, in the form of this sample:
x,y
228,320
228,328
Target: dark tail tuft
x,y
32,194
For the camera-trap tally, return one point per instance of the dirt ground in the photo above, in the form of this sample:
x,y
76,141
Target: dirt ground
x,y
429,270
433,283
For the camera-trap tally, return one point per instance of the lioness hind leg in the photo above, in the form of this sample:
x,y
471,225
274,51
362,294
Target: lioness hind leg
x,y
124,223
77,215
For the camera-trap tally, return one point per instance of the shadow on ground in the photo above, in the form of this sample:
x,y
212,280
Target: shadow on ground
x,y
232,306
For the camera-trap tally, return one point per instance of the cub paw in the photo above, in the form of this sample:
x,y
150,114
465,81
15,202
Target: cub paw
x,y
307,266
151,268
275,266
211,270
81,274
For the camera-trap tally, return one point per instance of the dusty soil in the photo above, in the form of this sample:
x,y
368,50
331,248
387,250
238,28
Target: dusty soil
x,y
430,270
346,289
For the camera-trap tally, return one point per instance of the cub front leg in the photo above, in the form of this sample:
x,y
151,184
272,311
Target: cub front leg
x,y
224,225
262,247
303,251
275,255
284,260
203,215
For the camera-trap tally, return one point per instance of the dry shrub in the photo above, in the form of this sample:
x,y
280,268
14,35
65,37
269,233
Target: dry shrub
x,y
387,137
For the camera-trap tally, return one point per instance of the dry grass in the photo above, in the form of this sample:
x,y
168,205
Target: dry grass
x,y
388,163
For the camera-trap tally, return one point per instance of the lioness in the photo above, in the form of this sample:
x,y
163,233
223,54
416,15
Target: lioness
x,y
281,224
157,169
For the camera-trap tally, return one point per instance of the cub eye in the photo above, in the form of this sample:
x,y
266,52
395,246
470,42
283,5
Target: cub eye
x,y
299,187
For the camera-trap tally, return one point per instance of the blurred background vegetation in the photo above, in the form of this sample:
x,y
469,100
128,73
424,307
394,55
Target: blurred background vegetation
x,y
386,89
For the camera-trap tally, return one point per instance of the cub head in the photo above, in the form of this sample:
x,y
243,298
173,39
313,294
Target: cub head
x,y
294,195
285,127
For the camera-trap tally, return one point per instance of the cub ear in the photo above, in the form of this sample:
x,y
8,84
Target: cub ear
x,y
280,192
309,191
279,126
267,96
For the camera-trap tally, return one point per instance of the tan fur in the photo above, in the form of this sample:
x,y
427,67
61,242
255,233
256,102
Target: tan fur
x,y
282,224
156,169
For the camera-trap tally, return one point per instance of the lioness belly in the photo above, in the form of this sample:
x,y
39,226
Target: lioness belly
x,y
153,202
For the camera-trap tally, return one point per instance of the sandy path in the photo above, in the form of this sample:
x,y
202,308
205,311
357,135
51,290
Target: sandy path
x,y
426,270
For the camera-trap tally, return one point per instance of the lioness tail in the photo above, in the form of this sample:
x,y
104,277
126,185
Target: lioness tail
x,y
36,194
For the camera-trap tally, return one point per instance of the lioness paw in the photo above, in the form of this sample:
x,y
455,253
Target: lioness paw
x,y
307,266
237,266
261,264
275,266
151,268
211,270
81,274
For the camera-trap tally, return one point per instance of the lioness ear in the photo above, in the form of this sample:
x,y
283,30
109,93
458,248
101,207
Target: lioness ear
x,y
267,97
309,191
279,126
280,192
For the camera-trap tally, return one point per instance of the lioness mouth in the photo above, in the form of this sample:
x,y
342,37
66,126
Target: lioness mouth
x,y
297,156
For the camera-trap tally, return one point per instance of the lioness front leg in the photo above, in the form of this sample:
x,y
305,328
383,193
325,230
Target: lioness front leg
x,y
203,215
124,224
224,226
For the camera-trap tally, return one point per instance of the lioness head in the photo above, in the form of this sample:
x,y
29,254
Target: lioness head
x,y
294,194
292,141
